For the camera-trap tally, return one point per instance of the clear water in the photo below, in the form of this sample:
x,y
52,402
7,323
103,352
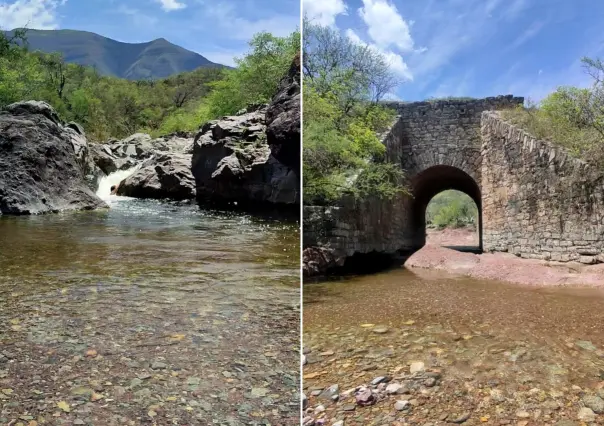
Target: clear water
x,y
92,300
506,354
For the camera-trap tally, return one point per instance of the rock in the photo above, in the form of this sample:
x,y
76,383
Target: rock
x,y
166,177
283,119
401,405
380,329
79,422
158,365
304,401
329,393
586,414
378,380
595,403
460,419
394,388
233,162
319,260
364,396
349,407
430,382
521,414
416,367
586,344
259,392
338,423
44,166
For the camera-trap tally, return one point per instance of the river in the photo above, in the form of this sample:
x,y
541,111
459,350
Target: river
x,y
445,349
148,313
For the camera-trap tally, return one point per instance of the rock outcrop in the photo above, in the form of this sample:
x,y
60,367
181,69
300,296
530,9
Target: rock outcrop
x,y
125,154
237,158
283,119
167,176
44,165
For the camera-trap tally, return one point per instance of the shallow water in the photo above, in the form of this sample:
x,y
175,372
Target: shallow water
x,y
503,354
147,313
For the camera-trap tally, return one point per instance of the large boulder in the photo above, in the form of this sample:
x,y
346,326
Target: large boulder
x,y
283,119
43,164
232,161
167,176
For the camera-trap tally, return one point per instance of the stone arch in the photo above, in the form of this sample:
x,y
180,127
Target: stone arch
x,y
432,181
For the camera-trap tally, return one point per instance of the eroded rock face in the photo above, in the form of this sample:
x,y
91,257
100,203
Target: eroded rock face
x,y
44,165
124,154
283,119
167,176
233,162
253,157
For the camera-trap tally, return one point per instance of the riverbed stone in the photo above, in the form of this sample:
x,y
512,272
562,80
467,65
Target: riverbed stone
x,y
595,403
586,414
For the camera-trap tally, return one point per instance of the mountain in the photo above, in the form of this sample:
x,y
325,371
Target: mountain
x,y
133,61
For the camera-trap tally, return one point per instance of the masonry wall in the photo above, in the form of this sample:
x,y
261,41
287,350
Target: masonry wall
x,y
443,132
538,202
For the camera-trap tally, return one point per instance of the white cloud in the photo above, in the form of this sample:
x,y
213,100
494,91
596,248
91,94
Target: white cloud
x,y
396,61
35,14
323,12
385,25
170,5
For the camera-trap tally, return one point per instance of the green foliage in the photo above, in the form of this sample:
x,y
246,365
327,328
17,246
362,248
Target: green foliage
x,y
571,117
113,107
257,76
342,153
451,209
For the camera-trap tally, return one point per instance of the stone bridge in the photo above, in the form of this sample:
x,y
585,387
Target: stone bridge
x,y
533,199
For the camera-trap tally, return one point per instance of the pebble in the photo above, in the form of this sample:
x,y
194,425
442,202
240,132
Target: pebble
x,y
349,407
158,365
380,330
378,380
523,414
330,392
259,392
401,405
430,382
461,419
417,367
393,388
339,423
79,422
364,396
586,414
595,403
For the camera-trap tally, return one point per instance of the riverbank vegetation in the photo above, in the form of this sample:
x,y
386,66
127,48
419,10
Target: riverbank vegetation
x,y
451,209
343,83
571,117
110,107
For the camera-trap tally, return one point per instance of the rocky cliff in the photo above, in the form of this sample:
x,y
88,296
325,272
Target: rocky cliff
x,y
44,164
253,158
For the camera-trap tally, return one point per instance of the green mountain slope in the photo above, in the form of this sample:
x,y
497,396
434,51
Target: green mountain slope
x,y
134,61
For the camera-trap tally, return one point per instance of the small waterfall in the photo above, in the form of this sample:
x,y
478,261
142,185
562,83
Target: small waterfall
x,y
105,184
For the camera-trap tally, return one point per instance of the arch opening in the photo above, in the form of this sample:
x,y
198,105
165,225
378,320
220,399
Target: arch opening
x,y
433,181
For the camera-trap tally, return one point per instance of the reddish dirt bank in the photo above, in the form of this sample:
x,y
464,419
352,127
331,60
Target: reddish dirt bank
x,y
499,266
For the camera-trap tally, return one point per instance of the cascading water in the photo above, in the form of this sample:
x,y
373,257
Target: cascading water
x,y
105,184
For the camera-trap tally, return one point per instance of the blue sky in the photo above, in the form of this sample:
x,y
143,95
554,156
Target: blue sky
x,y
217,29
474,48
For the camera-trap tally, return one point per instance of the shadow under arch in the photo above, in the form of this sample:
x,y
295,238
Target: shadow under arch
x,y
432,181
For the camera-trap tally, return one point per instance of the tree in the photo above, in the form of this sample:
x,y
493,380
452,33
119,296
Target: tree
x,y
354,71
257,75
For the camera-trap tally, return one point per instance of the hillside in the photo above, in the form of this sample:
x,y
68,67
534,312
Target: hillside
x,y
133,61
